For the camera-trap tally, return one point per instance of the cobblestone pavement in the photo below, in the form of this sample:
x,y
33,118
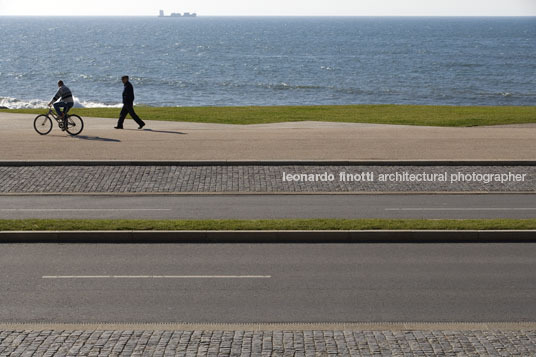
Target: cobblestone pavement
x,y
267,343
261,178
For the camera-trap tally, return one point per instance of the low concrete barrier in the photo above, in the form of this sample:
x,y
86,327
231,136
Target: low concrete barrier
x,y
204,237
22,163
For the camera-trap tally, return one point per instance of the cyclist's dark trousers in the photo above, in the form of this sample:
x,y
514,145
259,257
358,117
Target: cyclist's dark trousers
x,y
66,105
128,109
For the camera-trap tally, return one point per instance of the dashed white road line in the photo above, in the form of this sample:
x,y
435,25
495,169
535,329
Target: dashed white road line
x,y
463,209
156,276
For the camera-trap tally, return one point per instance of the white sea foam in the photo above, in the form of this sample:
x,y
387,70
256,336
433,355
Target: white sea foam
x,y
14,103
89,104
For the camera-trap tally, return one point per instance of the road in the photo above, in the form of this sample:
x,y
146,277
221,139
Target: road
x,y
428,206
267,283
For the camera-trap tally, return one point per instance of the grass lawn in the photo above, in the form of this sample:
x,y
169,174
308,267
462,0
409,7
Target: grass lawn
x,y
282,224
381,114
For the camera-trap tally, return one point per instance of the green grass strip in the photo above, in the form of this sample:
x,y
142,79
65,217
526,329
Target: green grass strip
x,y
428,115
278,224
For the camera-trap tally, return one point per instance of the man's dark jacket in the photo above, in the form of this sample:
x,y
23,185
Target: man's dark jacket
x,y
128,94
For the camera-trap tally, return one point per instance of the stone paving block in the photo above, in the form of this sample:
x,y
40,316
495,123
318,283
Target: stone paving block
x,y
196,179
268,343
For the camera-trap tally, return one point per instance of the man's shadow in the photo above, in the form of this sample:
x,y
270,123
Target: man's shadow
x,y
160,131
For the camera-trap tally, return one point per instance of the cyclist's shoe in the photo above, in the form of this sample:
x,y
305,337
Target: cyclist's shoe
x,y
118,127
64,126
141,126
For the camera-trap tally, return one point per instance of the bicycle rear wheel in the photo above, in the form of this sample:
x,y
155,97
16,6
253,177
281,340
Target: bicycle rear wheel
x,y
75,124
42,124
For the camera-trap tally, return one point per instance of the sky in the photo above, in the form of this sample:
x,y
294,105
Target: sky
x,y
273,7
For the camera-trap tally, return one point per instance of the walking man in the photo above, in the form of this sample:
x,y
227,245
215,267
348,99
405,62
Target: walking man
x,y
128,105
66,102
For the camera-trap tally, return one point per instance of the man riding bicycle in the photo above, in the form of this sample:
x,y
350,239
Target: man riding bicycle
x,y
66,102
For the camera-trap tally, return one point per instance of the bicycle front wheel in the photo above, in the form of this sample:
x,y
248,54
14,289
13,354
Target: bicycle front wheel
x,y
42,124
75,125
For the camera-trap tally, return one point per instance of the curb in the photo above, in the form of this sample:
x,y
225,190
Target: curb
x,y
269,163
282,193
275,326
315,237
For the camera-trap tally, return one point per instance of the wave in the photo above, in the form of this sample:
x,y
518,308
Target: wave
x,y
14,103
506,94
463,65
285,86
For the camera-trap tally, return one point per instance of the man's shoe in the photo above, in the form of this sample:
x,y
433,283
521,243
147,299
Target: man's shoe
x,y
118,127
141,126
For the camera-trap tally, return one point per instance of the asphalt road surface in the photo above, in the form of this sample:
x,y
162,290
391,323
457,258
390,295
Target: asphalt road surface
x,y
429,206
267,283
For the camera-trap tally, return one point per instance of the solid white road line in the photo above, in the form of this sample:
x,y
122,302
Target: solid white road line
x,y
156,276
80,209
464,209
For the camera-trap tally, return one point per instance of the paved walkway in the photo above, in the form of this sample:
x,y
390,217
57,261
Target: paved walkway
x,y
266,343
260,178
285,141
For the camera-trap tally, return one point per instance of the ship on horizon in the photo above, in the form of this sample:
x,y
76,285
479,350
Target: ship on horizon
x,y
177,14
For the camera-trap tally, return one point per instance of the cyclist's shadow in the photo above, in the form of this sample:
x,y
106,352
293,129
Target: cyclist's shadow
x,y
95,138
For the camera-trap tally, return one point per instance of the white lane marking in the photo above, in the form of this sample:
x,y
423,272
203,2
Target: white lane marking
x,y
156,276
80,209
465,209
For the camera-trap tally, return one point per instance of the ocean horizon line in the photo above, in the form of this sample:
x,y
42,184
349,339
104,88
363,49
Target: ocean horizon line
x,y
281,16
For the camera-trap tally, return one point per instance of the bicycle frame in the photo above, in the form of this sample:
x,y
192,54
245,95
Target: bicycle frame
x,y
53,114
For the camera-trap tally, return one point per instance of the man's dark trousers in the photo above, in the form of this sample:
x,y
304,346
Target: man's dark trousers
x,y
128,108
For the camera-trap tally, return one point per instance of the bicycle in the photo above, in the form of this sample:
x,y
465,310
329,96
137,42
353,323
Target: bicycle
x,y
43,123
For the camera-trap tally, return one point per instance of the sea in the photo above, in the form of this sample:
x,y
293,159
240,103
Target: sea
x,y
239,61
